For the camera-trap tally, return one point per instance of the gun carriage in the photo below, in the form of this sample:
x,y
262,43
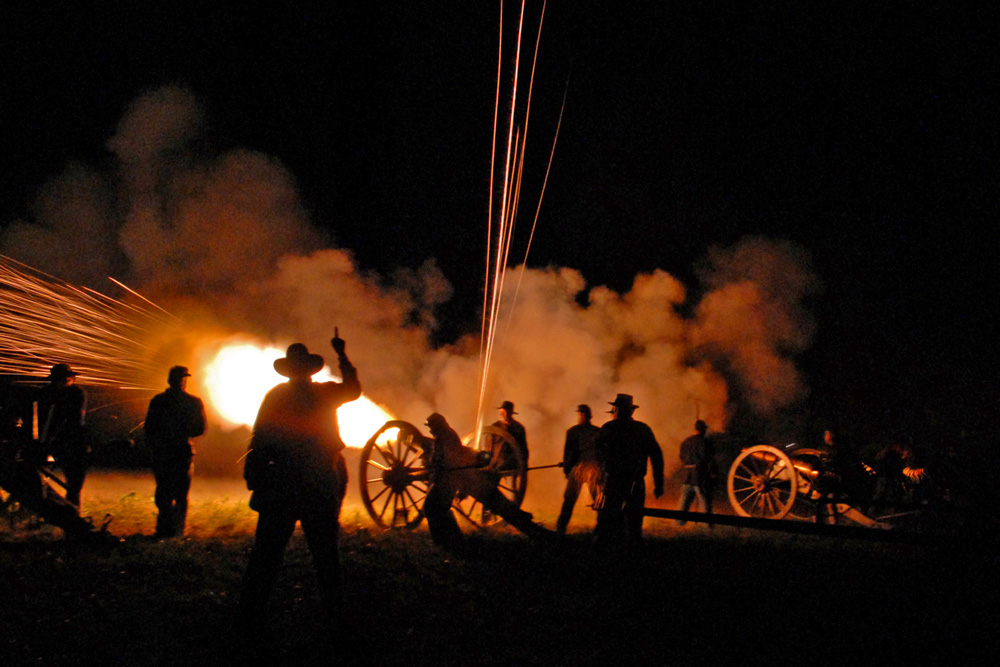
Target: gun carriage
x,y
802,483
394,477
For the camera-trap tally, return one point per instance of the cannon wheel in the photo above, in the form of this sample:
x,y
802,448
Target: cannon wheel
x,y
513,481
392,476
762,483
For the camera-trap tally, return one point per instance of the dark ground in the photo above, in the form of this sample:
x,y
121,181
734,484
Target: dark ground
x,y
690,596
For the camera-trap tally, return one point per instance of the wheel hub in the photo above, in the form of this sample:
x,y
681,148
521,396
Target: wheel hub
x,y
397,477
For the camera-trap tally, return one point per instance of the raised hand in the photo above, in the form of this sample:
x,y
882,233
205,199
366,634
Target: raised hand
x,y
337,342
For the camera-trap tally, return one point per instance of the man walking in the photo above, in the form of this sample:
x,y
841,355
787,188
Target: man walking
x,y
174,417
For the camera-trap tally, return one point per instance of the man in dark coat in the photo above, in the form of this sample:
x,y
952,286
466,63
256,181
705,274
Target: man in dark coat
x,y
58,413
624,446
455,468
24,475
514,428
580,464
296,471
173,419
698,458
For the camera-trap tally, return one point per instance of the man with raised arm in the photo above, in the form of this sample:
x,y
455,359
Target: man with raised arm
x,y
296,471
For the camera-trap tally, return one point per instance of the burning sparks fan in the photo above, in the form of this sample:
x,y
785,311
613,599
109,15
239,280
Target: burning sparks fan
x,y
44,320
108,342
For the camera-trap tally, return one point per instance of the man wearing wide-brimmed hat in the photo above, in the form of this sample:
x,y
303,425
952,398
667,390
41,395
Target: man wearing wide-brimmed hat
x,y
59,411
624,446
296,471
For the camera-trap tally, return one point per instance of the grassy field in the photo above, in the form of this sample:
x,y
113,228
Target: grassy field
x,y
689,596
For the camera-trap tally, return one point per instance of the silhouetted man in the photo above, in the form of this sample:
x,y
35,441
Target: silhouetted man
x,y
580,464
296,471
514,428
698,457
173,419
624,446
22,465
455,468
58,413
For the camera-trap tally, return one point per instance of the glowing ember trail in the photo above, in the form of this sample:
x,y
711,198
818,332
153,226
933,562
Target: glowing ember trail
x,y
44,320
241,374
513,169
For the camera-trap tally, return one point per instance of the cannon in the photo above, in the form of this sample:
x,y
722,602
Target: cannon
x,y
793,482
394,480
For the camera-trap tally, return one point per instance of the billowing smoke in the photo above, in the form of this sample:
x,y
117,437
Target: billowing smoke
x,y
752,318
223,241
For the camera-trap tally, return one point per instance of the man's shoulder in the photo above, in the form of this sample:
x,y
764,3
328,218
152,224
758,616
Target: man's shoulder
x,y
637,428
276,393
191,400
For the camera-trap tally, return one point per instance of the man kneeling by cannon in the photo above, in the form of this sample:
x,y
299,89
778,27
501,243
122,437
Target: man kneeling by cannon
x,y
457,469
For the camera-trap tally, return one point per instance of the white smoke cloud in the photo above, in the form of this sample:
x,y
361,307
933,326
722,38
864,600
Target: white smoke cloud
x,y
223,241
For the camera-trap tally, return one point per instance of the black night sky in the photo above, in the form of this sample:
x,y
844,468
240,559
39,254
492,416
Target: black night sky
x,y
864,132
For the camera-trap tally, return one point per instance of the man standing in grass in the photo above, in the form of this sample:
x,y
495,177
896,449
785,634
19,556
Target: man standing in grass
x,y
698,458
624,446
173,419
580,464
296,471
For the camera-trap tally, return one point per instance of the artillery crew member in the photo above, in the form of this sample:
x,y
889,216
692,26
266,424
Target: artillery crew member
x,y
22,467
296,471
580,464
454,469
514,428
698,457
624,445
173,419
58,413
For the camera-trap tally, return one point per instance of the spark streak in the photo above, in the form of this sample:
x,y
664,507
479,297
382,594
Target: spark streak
x,y
44,320
513,169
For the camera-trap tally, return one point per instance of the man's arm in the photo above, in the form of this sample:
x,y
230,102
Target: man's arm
x,y
198,422
349,387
